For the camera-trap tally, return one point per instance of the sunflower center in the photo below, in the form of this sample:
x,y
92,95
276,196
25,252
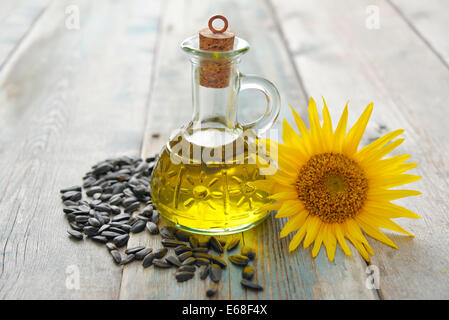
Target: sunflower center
x,y
332,187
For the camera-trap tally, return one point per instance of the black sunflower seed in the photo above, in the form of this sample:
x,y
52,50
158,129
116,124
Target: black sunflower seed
x,y
200,250
161,263
166,233
103,208
184,276
90,231
202,255
173,260
110,234
202,261
94,222
233,243
184,255
155,216
134,249
216,245
204,272
76,226
152,227
182,235
81,218
148,260
249,252
111,246
75,234
142,253
248,272
190,260
239,260
219,261
132,207
211,291
215,272
181,249
74,188
160,253
117,230
115,200
171,243
188,268
204,242
117,256
101,239
138,226
71,195
120,217
94,190
121,240
129,201
129,258
251,285
148,210
194,242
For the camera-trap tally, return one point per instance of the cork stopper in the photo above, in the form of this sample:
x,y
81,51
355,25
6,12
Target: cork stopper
x,y
215,72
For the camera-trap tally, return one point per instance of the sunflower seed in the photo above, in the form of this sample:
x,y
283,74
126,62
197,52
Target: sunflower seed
x,y
184,255
115,200
182,235
184,276
155,216
181,249
211,291
148,210
171,243
138,226
204,242
202,255
251,285
140,217
200,250
94,222
129,258
111,246
194,242
125,227
239,260
233,243
219,261
216,245
94,190
248,272
71,195
81,218
142,253
148,260
103,208
116,255
120,217
190,260
76,226
204,272
166,233
110,234
202,261
74,188
215,272
161,263
160,253
152,227
249,252
121,240
134,249
188,268
129,201
75,234
117,230
101,239
90,231
173,260
132,207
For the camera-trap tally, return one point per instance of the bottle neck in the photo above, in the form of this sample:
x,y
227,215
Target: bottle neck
x,y
214,103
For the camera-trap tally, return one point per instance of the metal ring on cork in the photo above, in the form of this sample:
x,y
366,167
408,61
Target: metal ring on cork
x,y
222,18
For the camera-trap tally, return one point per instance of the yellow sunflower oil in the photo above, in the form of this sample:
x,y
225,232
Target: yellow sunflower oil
x,y
214,197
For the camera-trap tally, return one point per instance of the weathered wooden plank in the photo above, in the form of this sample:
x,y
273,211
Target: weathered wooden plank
x,y
69,98
284,275
429,21
16,21
342,59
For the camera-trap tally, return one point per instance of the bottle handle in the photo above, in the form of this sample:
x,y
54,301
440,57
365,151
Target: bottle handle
x,y
267,120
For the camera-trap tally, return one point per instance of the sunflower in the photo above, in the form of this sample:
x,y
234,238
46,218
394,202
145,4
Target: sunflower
x,y
331,191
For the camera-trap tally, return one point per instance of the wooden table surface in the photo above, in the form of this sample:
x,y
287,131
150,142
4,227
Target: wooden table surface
x,y
119,84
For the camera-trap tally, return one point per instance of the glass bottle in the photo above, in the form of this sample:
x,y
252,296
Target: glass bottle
x,y
207,178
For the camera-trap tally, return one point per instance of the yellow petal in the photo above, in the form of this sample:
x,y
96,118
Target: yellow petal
x,y
373,231
289,136
289,195
294,223
297,238
341,239
330,242
318,241
290,208
393,181
354,136
340,131
269,207
382,195
379,143
389,210
312,230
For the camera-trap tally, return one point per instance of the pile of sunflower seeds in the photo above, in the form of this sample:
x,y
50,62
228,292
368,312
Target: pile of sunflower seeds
x,y
120,203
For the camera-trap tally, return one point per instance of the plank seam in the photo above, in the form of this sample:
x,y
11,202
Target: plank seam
x,y
287,47
419,34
